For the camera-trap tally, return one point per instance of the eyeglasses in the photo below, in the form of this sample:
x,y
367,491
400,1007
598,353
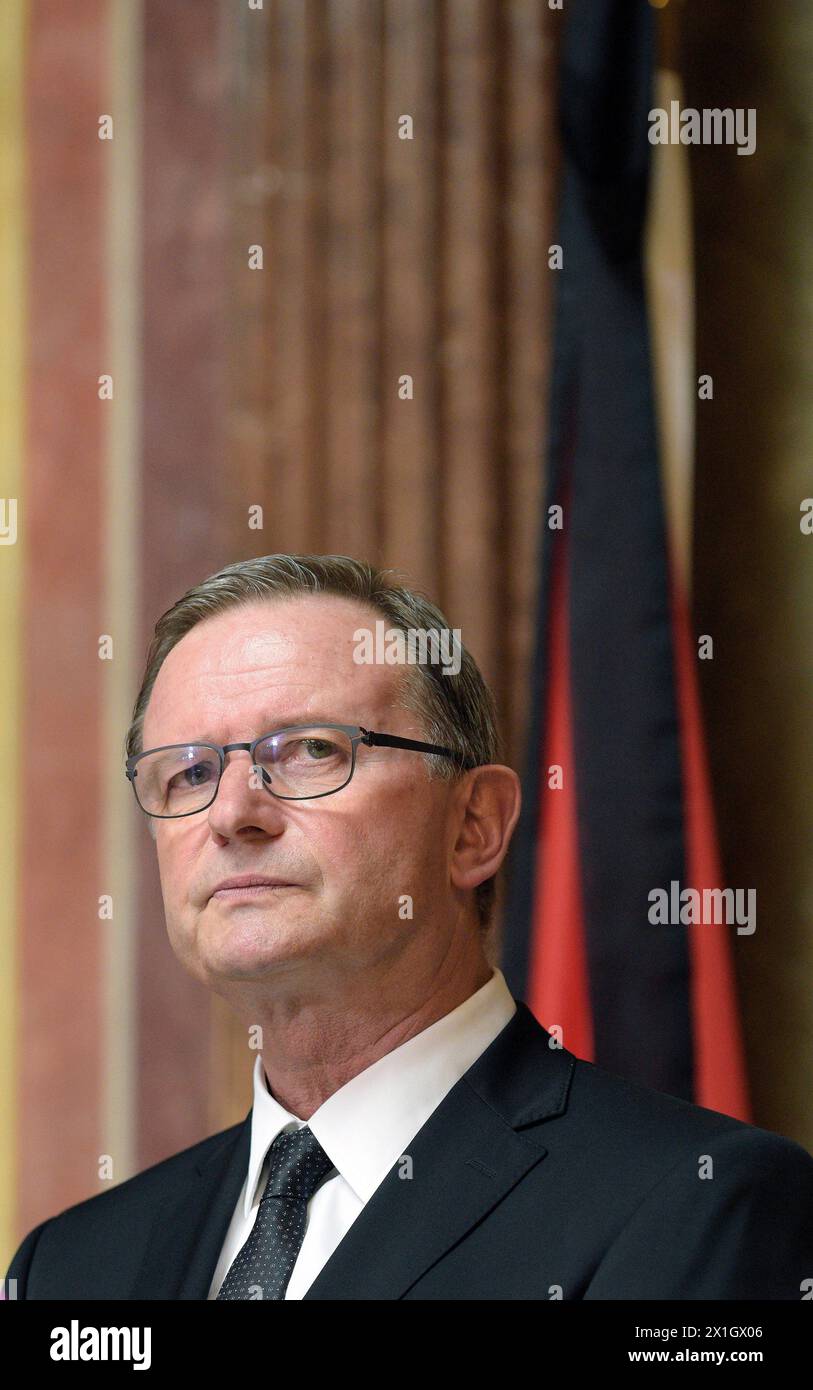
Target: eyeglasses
x,y
298,763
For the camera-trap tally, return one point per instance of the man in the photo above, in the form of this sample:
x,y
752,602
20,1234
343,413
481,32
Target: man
x,y
328,829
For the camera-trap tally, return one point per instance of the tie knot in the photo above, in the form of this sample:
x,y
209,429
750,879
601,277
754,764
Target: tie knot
x,y
298,1164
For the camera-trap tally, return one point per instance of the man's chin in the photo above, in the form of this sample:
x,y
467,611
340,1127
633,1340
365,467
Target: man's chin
x,y
252,947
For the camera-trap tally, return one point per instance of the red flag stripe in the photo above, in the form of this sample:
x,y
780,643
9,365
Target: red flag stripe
x,y
558,985
720,1076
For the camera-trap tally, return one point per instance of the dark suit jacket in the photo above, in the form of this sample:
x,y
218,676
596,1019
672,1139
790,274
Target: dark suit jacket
x,y
537,1173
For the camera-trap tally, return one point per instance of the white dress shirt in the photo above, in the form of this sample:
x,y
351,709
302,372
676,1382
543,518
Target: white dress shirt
x,y
364,1127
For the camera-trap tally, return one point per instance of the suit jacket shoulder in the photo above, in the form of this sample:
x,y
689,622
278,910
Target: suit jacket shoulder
x,y
92,1233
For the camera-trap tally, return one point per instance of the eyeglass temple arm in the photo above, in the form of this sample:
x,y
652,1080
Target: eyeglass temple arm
x,y
393,741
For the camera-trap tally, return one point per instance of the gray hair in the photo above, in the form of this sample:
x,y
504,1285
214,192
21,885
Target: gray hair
x,y
454,710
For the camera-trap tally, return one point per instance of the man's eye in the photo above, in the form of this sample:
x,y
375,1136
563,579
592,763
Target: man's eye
x,y
319,747
195,776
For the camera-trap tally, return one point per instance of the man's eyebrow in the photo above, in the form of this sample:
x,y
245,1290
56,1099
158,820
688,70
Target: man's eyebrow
x,y
307,721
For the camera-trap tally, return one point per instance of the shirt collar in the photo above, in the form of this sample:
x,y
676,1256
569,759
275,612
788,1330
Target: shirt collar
x,y
365,1126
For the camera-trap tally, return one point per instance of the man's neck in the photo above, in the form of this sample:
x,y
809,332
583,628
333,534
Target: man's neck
x,y
310,1056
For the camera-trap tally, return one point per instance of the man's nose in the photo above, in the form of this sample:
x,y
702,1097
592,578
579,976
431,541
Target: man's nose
x,y
243,799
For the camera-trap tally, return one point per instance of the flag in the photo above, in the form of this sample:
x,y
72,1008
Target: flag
x,y
617,808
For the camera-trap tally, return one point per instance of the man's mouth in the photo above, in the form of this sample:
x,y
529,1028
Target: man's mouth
x,y
250,886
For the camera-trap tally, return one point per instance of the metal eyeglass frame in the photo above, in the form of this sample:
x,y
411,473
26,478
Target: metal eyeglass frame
x,y
356,732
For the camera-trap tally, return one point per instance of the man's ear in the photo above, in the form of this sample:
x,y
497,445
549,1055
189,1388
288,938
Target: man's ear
x,y
152,826
490,810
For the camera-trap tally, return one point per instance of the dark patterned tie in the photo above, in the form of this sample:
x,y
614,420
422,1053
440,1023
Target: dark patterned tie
x,y
263,1266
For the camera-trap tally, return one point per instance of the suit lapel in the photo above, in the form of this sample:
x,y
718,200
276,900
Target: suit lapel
x,y
188,1234
464,1160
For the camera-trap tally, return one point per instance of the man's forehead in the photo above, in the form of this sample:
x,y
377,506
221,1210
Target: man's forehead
x,y
287,659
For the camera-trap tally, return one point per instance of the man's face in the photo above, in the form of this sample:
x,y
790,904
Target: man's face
x,y
351,855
